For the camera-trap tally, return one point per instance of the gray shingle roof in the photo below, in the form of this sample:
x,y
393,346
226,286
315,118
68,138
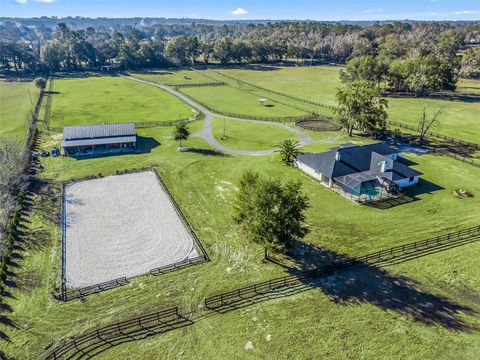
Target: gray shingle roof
x,y
98,131
358,164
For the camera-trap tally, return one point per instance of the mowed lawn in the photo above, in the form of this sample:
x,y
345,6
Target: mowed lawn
x,y
250,136
239,101
460,114
180,77
400,312
16,105
105,99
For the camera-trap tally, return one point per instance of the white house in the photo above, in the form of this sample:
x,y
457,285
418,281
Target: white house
x,y
359,170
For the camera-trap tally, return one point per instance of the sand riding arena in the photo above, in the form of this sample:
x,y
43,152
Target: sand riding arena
x,y
121,226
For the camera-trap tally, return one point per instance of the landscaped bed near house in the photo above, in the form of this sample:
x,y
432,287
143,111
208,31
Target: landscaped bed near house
x,y
420,303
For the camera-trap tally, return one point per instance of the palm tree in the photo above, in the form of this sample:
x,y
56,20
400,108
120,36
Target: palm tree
x,y
181,132
289,149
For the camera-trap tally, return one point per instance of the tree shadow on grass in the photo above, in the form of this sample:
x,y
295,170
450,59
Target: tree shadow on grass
x,y
361,283
206,152
369,284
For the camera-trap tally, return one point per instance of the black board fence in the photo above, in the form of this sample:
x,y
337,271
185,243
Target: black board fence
x,y
226,299
435,135
179,265
99,340
218,83
80,293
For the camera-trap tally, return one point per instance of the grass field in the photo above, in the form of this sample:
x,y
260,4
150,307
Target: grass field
x,y
250,136
96,100
318,83
460,114
15,107
418,303
174,76
403,311
239,101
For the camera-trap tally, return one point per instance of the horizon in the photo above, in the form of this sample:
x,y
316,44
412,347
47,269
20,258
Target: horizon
x,y
216,10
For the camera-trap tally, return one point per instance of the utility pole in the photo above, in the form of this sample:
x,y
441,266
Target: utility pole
x,y
223,127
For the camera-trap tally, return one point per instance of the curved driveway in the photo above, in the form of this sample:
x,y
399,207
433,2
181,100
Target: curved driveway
x,y
207,131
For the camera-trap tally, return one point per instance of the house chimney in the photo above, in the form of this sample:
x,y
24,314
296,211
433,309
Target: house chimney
x,y
383,166
338,156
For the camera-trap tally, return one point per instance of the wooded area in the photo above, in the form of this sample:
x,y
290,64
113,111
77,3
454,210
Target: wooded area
x,y
418,57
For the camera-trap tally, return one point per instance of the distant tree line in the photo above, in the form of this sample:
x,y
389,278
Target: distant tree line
x,y
405,57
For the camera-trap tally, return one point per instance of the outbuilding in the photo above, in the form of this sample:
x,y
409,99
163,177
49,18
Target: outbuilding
x,y
94,139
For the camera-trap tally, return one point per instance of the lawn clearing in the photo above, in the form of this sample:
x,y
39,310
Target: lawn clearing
x,y
106,99
250,136
121,226
237,101
17,100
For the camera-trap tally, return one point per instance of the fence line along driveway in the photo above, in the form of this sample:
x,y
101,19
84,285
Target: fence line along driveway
x,y
207,132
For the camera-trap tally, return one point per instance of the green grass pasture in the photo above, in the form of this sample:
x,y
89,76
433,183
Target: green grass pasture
x,y
104,99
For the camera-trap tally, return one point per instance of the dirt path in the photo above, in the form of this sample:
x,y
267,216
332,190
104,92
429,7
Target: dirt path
x,y
207,131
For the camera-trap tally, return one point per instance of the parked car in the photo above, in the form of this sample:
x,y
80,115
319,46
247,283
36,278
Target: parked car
x,y
55,152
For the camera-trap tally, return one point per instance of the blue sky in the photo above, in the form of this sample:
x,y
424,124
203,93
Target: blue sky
x,y
259,9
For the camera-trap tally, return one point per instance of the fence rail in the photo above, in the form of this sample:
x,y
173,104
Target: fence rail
x,y
461,158
70,294
48,105
218,83
227,298
179,265
93,342
436,135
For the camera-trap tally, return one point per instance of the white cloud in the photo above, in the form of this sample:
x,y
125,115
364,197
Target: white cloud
x,y
370,11
21,1
466,12
239,11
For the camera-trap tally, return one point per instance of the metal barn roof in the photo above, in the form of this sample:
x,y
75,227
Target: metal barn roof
x,y
98,131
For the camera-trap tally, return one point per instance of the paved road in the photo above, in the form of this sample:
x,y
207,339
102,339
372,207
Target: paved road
x,y
207,131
